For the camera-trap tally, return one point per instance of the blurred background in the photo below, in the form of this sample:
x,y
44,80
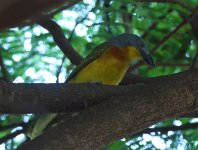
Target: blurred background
x,y
28,54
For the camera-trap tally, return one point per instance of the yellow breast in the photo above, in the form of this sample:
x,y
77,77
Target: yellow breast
x,y
107,69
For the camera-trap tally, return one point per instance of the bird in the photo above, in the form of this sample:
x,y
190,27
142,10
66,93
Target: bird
x,y
110,60
107,64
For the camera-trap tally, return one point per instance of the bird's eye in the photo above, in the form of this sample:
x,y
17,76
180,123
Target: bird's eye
x,y
142,44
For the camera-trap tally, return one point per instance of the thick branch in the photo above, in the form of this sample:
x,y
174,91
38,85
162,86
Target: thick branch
x,y
24,10
134,108
193,114
34,98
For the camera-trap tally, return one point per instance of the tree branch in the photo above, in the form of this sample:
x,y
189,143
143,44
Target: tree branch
x,y
59,69
190,18
70,38
168,36
14,125
11,136
127,17
25,10
72,3
61,40
107,18
129,110
154,24
21,97
186,20
192,114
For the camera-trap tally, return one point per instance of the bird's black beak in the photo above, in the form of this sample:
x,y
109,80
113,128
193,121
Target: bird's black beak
x,y
147,57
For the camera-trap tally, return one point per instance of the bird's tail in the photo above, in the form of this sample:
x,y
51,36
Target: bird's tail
x,y
40,125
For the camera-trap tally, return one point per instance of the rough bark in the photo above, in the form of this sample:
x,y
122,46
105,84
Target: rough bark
x,y
44,98
13,12
124,114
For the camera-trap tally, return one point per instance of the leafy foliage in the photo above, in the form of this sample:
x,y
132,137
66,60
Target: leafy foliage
x,y
30,55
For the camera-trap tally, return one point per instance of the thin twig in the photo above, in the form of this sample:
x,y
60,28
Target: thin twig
x,y
11,136
107,18
14,125
172,33
185,21
71,36
127,17
72,3
155,24
59,69
168,36
69,40
149,29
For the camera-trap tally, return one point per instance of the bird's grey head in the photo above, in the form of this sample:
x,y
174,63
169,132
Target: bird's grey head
x,y
125,40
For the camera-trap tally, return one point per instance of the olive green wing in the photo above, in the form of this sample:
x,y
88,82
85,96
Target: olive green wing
x,y
97,52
